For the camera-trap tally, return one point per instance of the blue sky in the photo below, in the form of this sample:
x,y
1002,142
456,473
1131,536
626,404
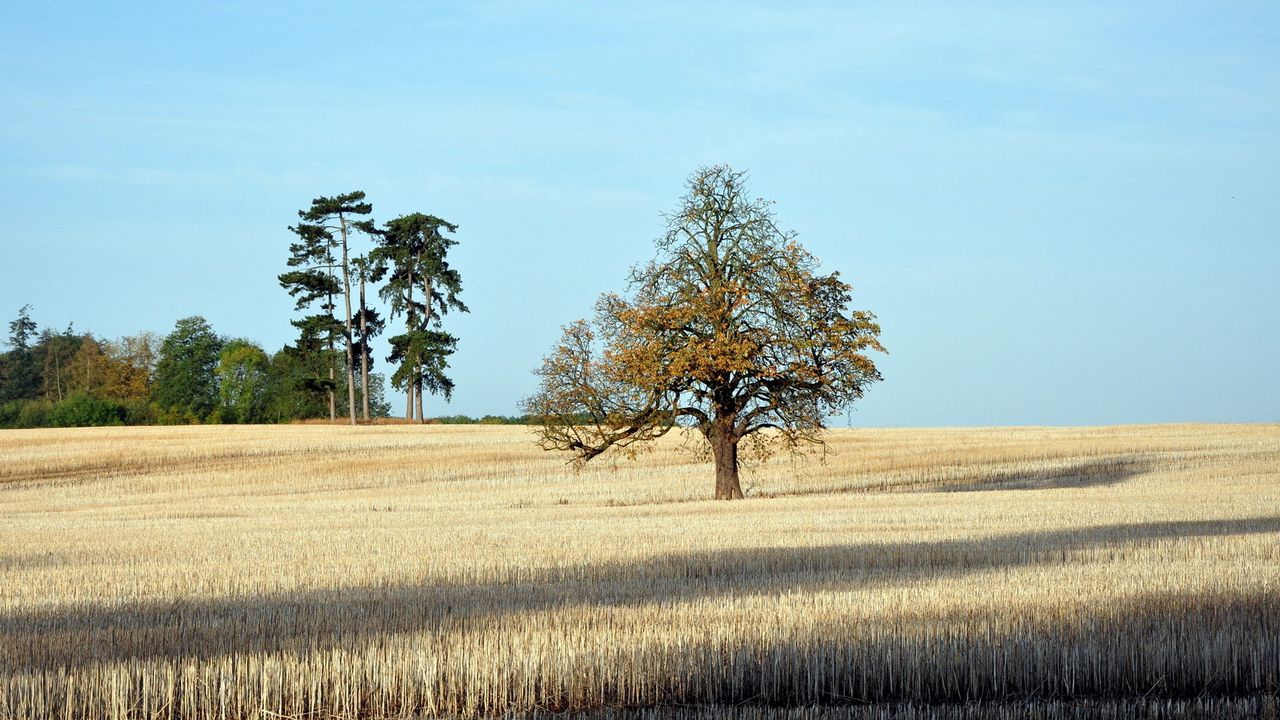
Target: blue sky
x,y
1061,213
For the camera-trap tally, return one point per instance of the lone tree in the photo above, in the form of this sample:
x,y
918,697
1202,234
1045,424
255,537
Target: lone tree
x,y
730,331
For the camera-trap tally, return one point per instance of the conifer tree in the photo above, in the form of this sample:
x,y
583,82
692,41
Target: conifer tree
x,y
19,372
421,285
322,255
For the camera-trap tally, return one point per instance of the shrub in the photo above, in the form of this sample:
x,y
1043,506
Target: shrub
x,y
9,413
34,414
81,410
174,416
138,412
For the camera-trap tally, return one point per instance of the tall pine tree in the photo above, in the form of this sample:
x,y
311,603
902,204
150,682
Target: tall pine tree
x,y
322,255
423,287
19,372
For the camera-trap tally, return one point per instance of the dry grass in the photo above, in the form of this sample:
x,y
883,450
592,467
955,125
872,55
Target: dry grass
x,y
397,571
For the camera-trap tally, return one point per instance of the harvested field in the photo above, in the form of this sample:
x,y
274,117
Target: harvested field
x,y
406,571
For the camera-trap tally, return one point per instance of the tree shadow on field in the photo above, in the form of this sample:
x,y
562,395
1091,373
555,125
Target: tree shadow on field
x,y
1100,472
1094,473
311,621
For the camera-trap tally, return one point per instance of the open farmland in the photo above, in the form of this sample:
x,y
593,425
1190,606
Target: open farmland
x,y
401,571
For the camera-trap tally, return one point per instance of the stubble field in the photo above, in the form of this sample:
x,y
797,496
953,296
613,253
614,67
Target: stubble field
x,y
401,571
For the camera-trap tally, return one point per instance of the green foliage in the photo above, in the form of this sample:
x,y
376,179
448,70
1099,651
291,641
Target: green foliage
x,y
486,420
328,209
297,385
244,382
314,251
414,250
33,414
22,329
138,412
379,406
110,383
175,416
53,355
367,323
9,412
320,253
19,370
423,287
307,286
19,375
84,410
186,384
311,361
423,356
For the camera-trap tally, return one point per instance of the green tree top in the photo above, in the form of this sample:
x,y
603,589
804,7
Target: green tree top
x,y
22,329
414,249
185,379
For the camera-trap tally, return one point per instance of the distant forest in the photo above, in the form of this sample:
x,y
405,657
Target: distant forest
x,y
51,378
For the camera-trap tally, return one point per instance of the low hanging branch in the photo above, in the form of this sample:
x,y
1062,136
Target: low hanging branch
x,y
730,330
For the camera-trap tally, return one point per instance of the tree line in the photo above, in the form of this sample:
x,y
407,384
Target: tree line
x,y
195,375
52,378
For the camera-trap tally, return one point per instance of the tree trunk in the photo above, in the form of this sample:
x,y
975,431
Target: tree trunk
x,y
364,355
57,364
411,323
426,323
333,379
417,393
724,448
346,297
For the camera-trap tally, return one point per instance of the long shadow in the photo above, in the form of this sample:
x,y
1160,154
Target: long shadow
x,y
1093,473
1101,472
342,617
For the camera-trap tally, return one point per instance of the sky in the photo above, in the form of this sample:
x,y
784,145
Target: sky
x,y
1061,213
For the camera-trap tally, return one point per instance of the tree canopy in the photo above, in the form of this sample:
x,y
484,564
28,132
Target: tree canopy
x,y
22,329
185,380
730,330
244,381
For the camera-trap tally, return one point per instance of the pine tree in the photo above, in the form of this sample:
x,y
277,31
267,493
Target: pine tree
x,y
412,254
19,372
320,256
